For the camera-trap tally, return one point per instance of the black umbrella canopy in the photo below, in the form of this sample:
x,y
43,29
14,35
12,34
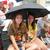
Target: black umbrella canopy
x,y
36,9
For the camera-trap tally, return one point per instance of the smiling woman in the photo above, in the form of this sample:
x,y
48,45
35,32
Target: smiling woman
x,y
33,40
16,31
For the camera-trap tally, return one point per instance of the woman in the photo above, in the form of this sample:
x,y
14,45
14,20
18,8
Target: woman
x,y
32,39
17,32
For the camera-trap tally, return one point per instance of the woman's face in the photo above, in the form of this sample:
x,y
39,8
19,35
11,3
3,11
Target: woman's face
x,y
31,18
18,19
10,5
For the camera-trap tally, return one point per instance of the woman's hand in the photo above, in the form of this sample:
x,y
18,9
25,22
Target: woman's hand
x,y
27,45
12,38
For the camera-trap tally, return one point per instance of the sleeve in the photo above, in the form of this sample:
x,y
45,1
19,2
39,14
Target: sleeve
x,y
10,30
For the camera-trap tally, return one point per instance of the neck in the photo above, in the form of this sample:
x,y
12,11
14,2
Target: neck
x,y
29,22
17,25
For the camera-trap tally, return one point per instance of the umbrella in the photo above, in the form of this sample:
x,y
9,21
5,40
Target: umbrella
x,y
33,8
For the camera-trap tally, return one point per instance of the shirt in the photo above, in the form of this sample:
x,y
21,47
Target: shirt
x,y
17,32
40,25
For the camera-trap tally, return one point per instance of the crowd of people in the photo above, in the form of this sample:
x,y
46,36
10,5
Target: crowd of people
x,y
27,35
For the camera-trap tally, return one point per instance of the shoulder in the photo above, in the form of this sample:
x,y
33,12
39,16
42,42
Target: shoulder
x,y
10,25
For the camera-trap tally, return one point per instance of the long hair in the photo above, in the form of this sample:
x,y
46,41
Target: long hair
x,y
22,26
32,24
14,25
